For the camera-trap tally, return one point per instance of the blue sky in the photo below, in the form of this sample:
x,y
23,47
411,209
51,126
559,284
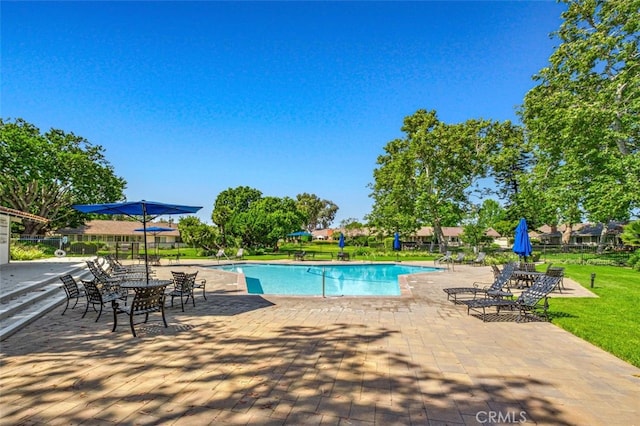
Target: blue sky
x,y
191,98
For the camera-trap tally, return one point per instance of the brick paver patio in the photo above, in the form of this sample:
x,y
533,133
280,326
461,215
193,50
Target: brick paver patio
x,y
242,359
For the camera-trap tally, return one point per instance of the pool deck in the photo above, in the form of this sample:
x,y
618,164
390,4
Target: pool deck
x,y
238,359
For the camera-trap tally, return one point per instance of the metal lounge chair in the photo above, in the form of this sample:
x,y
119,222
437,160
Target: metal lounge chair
x,y
444,259
459,258
480,259
495,290
220,254
526,303
557,271
240,254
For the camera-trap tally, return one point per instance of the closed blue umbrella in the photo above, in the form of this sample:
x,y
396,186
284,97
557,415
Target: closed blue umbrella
x,y
521,244
396,242
147,210
341,241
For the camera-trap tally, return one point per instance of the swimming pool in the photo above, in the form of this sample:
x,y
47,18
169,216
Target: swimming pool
x,y
339,280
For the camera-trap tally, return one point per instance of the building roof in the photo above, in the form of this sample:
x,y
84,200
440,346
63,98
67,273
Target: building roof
x,y
23,215
116,227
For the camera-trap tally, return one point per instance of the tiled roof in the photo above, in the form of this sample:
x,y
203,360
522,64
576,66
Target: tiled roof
x,y
23,215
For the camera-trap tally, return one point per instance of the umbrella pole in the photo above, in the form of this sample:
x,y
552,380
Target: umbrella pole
x,y
144,227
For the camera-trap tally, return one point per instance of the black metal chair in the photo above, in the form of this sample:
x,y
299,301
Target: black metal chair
x,y
146,300
183,284
71,289
95,296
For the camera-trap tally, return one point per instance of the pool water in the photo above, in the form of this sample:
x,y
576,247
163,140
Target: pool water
x,y
339,280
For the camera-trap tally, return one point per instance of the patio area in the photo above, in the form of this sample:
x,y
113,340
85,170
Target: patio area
x,y
244,359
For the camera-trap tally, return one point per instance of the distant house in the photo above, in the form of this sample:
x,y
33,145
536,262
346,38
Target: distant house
x,y
323,234
114,232
452,235
7,216
580,234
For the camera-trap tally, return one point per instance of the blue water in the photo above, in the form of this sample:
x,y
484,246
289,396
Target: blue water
x,y
339,280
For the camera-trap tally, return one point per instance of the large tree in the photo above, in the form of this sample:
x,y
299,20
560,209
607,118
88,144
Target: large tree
x,y
429,176
582,117
267,220
45,173
195,233
230,203
319,212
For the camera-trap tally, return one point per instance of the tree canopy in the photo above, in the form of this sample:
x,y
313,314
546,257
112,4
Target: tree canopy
x,y
582,117
45,173
320,213
429,176
247,218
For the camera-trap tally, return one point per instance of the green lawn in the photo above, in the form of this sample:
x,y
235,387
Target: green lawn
x,y
611,321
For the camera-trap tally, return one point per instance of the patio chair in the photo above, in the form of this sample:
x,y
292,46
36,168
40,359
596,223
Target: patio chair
x,y
459,258
72,291
495,290
495,270
115,266
444,259
526,303
480,259
97,297
240,254
343,255
556,271
220,254
183,284
146,300
197,284
299,255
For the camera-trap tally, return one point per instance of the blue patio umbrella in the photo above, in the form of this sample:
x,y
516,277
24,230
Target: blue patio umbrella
x,y
521,244
144,211
155,230
396,242
341,241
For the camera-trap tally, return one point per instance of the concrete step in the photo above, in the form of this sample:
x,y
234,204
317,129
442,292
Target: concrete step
x,y
11,292
31,300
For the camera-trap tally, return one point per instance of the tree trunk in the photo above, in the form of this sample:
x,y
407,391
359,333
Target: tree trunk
x,y
603,237
566,237
437,232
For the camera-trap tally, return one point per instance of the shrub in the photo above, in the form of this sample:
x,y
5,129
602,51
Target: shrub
x,y
634,260
26,252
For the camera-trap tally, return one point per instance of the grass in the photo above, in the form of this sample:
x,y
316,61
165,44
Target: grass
x,y
609,321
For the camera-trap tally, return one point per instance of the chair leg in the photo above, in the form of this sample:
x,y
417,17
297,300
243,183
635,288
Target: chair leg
x,y
99,313
67,305
164,320
203,283
133,331
115,319
86,309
